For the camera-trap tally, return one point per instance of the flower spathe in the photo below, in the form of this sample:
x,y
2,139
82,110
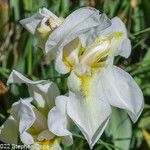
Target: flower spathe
x,y
95,84
29,122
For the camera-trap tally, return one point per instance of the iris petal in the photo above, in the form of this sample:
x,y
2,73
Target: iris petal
x,y
122,91
87,107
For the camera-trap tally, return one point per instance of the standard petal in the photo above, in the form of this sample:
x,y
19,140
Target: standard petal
x,y
9,131
44,92
120,43
46,13
73,26
87,106
32,22
57,118
93,33
116,26
122,91
23,113
124,48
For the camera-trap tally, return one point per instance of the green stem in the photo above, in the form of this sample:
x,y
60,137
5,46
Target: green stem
x,y
142,31
107,145
30,62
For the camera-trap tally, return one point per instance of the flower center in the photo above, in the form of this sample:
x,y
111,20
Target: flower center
x,y
47,144
84,60
47,25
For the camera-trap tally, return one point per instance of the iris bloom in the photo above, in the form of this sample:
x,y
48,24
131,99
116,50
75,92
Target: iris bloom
x,y
30,122
53,32
95,84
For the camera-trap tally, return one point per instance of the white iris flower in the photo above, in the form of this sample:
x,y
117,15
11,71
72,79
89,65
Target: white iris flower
x,y
30,122
95,84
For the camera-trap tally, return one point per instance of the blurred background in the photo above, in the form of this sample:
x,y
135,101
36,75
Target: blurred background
x,y
18,51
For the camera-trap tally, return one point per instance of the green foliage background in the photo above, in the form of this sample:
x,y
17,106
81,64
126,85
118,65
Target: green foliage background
x,y
18,51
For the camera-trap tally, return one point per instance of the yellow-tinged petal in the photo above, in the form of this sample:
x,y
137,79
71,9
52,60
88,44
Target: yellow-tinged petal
x,y
95,52
70,53
87,106
52,144
43,92
85,85
43,33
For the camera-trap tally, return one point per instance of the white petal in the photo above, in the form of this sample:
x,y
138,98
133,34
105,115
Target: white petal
x,y
59,64
73,26
16,77
82,69
116,26
70,53
67,140
122,45
93,33
26,138
45,135
32,22
88,107
122,91
23,113
46,13
9,131
44,92
57,119
125,48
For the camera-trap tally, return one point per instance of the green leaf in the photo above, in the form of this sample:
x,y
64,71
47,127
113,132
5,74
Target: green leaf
x,y
144,122
120,129
14,4
147,57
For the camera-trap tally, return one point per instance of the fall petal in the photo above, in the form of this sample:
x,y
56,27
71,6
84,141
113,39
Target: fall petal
x,y
23,113
87,107
122,91
57,119
44,92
